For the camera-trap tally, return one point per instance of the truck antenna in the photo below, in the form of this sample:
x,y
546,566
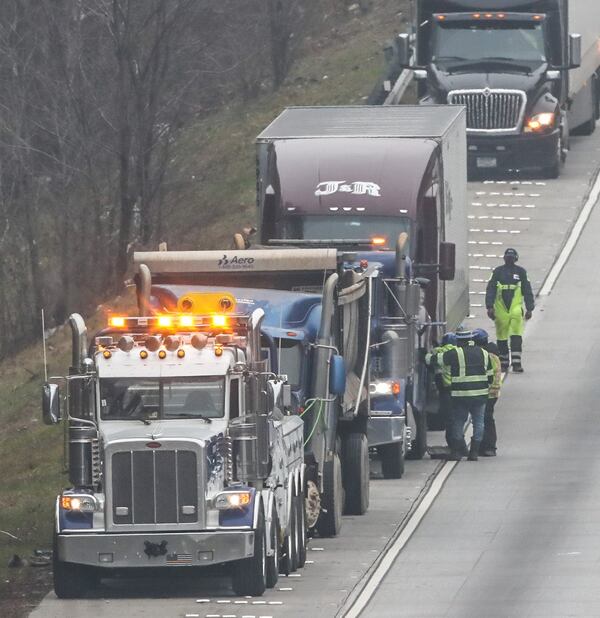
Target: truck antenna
x,y
44,346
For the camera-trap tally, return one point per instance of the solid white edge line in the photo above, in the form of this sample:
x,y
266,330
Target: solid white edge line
x,y
385,565
564,255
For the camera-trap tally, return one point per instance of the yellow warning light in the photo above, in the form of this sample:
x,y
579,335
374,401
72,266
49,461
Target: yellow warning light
x,y
379,241
186,321
180,353
107,354
165,321
143,354
219,321
218,351
117,322
162,354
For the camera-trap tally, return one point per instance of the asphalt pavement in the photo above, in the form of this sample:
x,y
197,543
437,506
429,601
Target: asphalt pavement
x,y
507,536
518,536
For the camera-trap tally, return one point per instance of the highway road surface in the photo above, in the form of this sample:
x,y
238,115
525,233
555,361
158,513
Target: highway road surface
x,y
514,536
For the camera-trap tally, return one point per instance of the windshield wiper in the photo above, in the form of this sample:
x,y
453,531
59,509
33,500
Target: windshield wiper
x,y
206,419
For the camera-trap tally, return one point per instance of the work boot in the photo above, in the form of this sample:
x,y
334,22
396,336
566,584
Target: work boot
x,y
488,452
455,450
517,368
504,367
474,451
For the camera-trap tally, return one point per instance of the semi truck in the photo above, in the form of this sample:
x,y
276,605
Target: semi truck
x,y
315,332
386,183
180,449
527,71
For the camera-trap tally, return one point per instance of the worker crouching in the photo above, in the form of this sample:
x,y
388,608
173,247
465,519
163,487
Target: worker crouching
x,y
471,374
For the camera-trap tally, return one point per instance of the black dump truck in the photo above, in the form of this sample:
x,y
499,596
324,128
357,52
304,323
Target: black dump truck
x,y
527,79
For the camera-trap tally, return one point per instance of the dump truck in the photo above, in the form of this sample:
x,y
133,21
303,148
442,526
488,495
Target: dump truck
x,y
180,448
315,332
359,179
527,70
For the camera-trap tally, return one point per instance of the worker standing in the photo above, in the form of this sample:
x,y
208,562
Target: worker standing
x,y
506,291
471,374
443,380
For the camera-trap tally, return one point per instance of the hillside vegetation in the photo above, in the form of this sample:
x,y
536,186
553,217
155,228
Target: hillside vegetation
x,y
207,194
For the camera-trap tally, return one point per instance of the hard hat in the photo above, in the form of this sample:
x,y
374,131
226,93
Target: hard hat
x,y
449,339
511,253
480,336
462,334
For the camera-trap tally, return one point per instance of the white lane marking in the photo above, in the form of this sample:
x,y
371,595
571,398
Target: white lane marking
x,y
582,219
392,553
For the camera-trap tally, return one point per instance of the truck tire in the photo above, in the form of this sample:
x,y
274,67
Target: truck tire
x,y
332,500
553,171
250,575
72,581
273,561
289,556
418,446
392,460
301,529
356,474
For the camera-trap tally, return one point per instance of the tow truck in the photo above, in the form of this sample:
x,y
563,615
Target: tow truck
x,y
181,451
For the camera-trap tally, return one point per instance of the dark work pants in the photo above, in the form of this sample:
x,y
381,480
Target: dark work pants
x,y
514,353
489,427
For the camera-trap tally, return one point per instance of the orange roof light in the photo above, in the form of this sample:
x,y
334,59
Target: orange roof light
x,y
537,17
501,15
219,321
441,17
186,321
477,15
396,388
117,322
165,321
488,16
378,241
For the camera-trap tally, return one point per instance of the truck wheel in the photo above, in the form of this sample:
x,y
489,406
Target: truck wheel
x,y
250,575
392,460
273,560
289,558
553,171
418,446
301,529
72,581
330,520
356,474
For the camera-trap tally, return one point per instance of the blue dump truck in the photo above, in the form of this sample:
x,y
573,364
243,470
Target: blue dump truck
x,y
315,331
388,186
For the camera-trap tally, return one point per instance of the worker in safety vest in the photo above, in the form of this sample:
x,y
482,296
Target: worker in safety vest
x,y
490,437
506,291
443,381
471,374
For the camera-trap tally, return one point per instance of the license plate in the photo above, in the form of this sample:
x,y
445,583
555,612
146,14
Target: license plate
x,y
487,162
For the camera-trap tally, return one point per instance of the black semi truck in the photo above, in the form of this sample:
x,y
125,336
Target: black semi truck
x,y
527,79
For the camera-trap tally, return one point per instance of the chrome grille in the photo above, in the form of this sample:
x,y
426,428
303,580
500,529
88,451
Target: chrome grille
x,y
154,488
491,110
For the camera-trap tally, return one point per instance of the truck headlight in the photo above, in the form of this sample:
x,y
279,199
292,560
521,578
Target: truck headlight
x,y
385,388
79,503
540,122
232,500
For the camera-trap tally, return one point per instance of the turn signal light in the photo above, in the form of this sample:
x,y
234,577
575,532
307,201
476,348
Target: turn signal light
x,y
540,122
233,500
107,354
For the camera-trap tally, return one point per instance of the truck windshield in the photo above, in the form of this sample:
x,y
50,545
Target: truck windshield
x,y
460,42
347,227
126,399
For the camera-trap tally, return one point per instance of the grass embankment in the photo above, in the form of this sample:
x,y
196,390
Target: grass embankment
x,y
209,195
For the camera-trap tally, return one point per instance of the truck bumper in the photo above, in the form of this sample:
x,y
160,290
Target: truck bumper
x,y
386,429
527,151
182,549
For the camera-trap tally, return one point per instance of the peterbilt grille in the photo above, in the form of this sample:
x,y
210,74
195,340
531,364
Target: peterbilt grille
x,y
491,110
154,487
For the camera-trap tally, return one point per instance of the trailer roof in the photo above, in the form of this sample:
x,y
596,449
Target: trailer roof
x,y
425,121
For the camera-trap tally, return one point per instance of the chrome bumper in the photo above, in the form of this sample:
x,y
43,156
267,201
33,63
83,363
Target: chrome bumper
x,y
385,429
182,549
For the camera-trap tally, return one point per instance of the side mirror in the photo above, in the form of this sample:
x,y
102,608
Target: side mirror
x,y
447,261
51,404
403,49
337,375
574,51
420,75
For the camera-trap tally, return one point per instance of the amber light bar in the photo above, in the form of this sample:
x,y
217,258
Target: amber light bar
x,y
177,322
